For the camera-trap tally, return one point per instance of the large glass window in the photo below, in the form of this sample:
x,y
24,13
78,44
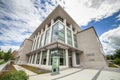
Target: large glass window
x,y
61,34
69,37
58,32
77,58
44,55
38,58
33,58
75,41
62,56
47,36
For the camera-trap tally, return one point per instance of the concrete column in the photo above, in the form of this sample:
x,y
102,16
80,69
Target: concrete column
x,y
72,36
39,41
41,38
47,58
37,36
74,58
65,31
33,44
67,57
29,59
35,58
50,35
32,58
44,35
40,58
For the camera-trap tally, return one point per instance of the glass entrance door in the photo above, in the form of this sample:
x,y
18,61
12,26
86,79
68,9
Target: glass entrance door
x,y
70,58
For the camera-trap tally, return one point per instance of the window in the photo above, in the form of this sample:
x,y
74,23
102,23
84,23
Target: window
x,y
33,58
47,36
58,18
38,58
62,56
44,55
58,32
77,58
55,33
75,41
69,37
61,35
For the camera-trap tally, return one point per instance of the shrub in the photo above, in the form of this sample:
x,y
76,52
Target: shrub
x,y
117,61
17,75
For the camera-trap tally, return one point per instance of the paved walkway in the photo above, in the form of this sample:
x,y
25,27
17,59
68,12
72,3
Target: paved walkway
x,y
79,74
48,76
108,75
28,72
3,65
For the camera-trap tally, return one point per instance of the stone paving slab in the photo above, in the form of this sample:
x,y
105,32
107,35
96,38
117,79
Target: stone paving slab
x,y
48,76
108,75
86,74
28,72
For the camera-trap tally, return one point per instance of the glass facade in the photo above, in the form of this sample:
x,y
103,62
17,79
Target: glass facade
x,y
77,58
44,55
62,56
69,37
75,41
58,33
47,36
33,58
38,58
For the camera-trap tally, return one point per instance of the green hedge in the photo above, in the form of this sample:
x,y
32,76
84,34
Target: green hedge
x,y
17,75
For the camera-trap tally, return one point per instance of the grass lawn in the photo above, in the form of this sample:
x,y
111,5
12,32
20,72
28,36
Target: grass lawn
x,y
9,68
112,65
34,69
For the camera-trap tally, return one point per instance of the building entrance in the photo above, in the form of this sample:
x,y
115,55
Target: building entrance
x,y
70,59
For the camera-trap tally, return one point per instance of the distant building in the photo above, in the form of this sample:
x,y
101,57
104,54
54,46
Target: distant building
x,y
59,32
14,53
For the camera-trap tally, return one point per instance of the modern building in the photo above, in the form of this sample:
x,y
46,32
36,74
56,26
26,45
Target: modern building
x,y
59,32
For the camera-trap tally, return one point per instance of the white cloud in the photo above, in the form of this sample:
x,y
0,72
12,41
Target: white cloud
x,y
111,40
118,17
83,11
26,15
7,47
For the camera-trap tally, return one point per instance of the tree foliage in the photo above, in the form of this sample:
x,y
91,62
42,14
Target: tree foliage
x,y
115,57
6,55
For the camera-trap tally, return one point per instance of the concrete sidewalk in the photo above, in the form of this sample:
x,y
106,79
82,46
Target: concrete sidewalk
x,y
3,65
28,72
48,76
78,74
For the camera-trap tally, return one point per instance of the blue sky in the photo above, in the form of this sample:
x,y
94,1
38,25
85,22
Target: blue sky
x,y
19,18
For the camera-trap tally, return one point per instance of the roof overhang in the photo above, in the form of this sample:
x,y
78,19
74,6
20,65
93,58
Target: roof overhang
x,y
58,45
58,11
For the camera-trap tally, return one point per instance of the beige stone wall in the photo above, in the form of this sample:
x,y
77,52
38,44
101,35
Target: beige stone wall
x,y
89,43
25,48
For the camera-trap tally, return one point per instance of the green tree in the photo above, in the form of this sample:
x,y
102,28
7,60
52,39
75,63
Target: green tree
x,y
8,55
1,54
117,56
110,57
117,53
